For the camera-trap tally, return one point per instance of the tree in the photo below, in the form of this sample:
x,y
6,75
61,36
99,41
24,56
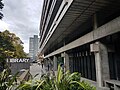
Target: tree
x,y
10,47
19,53
1,6
6,48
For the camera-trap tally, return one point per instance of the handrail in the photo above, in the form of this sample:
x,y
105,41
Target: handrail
x,y
24,76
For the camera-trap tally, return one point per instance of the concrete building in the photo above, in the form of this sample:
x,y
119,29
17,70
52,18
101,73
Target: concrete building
x,y
84,35
33,47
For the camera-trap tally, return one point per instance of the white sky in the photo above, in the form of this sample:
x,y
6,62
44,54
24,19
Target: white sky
x,y
22,17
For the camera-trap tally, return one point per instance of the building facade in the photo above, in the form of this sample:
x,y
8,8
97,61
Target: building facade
x,y
33,47
84,35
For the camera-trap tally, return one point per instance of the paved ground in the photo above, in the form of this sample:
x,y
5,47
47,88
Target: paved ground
x,y
36,69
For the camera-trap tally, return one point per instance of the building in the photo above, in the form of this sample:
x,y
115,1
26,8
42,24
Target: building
x,y
33,47
84,35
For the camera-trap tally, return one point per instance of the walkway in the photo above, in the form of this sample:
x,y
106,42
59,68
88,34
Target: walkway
x,y
36,69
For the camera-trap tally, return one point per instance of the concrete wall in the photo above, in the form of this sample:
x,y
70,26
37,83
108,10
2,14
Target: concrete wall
x,y
16,67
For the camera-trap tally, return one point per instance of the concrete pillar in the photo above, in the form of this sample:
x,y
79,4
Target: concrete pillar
x,y
55,63
95,21
105,62
66,61
101,58
101,61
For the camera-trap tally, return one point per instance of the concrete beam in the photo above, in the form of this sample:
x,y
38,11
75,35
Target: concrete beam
x,y
105,30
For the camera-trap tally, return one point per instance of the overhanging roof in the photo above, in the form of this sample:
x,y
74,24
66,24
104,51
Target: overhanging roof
x,y
78,12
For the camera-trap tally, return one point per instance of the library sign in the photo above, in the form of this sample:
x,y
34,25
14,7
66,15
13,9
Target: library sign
x,y
19,60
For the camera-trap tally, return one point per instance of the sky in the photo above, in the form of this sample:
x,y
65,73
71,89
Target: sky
x,y
22,17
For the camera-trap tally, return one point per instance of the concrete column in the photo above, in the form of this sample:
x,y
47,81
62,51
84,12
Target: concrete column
x,y
95,21
55,63
105,62
101,61
98,68
66,61
101,58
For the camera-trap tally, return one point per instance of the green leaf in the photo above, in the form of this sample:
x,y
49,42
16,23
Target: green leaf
x,y
40,84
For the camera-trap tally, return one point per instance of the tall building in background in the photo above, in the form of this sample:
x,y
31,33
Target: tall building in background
x,y
33,47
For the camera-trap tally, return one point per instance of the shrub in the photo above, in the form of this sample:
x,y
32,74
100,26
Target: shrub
x,y
62,81
7,82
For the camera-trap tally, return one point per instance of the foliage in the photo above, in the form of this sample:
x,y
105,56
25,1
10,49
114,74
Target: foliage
x,y
19,52
10,46
6,48
7,82
17,44
1,7
62,81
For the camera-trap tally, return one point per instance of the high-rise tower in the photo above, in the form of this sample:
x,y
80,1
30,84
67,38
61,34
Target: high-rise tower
x,y
33,47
